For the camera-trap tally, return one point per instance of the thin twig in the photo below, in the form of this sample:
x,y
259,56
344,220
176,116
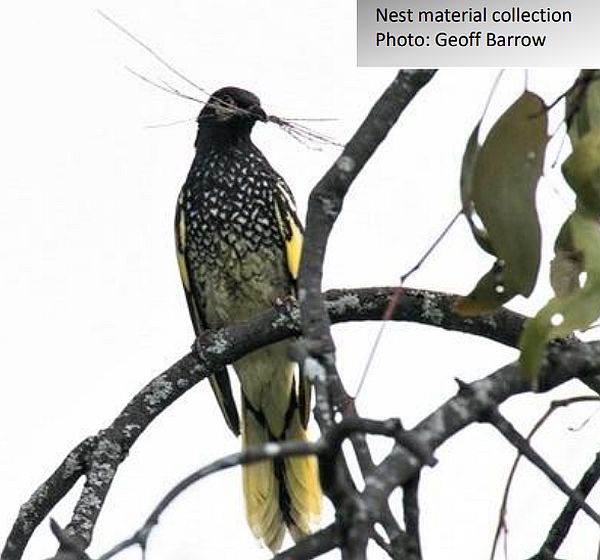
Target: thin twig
x,y
168,124
251,455
303,133
394,301
328,447
518,441
152,52
563,522
553,407
427,253
567,360
162,86
299,132
309,119
585,422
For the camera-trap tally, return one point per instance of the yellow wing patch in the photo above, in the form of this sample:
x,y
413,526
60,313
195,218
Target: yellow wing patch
x,y
180,242
292,236
293,249
185,279
289,227
219,381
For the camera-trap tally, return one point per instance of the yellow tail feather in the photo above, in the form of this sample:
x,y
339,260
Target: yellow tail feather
x,y
282,495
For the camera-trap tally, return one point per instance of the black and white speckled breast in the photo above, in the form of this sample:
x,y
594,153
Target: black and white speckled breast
x,y
234,246
229,198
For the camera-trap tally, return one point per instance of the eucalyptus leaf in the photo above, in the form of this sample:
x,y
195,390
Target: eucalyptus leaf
x,y
466,190
582,170
498,184
578,308
487,295
505,178
583,105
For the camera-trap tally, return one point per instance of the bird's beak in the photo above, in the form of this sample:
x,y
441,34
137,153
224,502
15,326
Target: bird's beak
x,y
258,112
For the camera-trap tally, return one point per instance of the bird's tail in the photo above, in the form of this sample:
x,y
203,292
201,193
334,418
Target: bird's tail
x,y
283,493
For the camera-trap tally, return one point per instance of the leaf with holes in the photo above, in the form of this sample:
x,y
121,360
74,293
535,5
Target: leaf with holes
x,y
578,308
499,181
489,294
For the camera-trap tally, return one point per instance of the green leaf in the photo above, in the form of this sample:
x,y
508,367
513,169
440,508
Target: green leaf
x,y
567,264
487,295
583,105
582,170
506,175
575,310
468,166
565,269
498,183
466,189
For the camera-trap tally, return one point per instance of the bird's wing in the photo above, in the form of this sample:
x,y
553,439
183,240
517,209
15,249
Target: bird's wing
x,y
290,229
219,380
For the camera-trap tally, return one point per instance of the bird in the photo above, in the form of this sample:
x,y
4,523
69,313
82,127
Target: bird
x,y
238,241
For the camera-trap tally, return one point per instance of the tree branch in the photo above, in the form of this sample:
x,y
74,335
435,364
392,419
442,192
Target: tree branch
x,y
554,406
410,500
516,439
326,199
327,449
226,345
324,205
46,496
250,455
572,359
563,522
314,545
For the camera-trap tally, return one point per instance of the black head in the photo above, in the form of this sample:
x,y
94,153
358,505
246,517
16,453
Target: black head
x,y
230,111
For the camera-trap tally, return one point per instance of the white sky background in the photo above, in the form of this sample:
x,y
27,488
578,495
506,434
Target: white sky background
x,y
91,303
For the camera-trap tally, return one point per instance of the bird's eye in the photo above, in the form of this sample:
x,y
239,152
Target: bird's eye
x,y
228,101
225,107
